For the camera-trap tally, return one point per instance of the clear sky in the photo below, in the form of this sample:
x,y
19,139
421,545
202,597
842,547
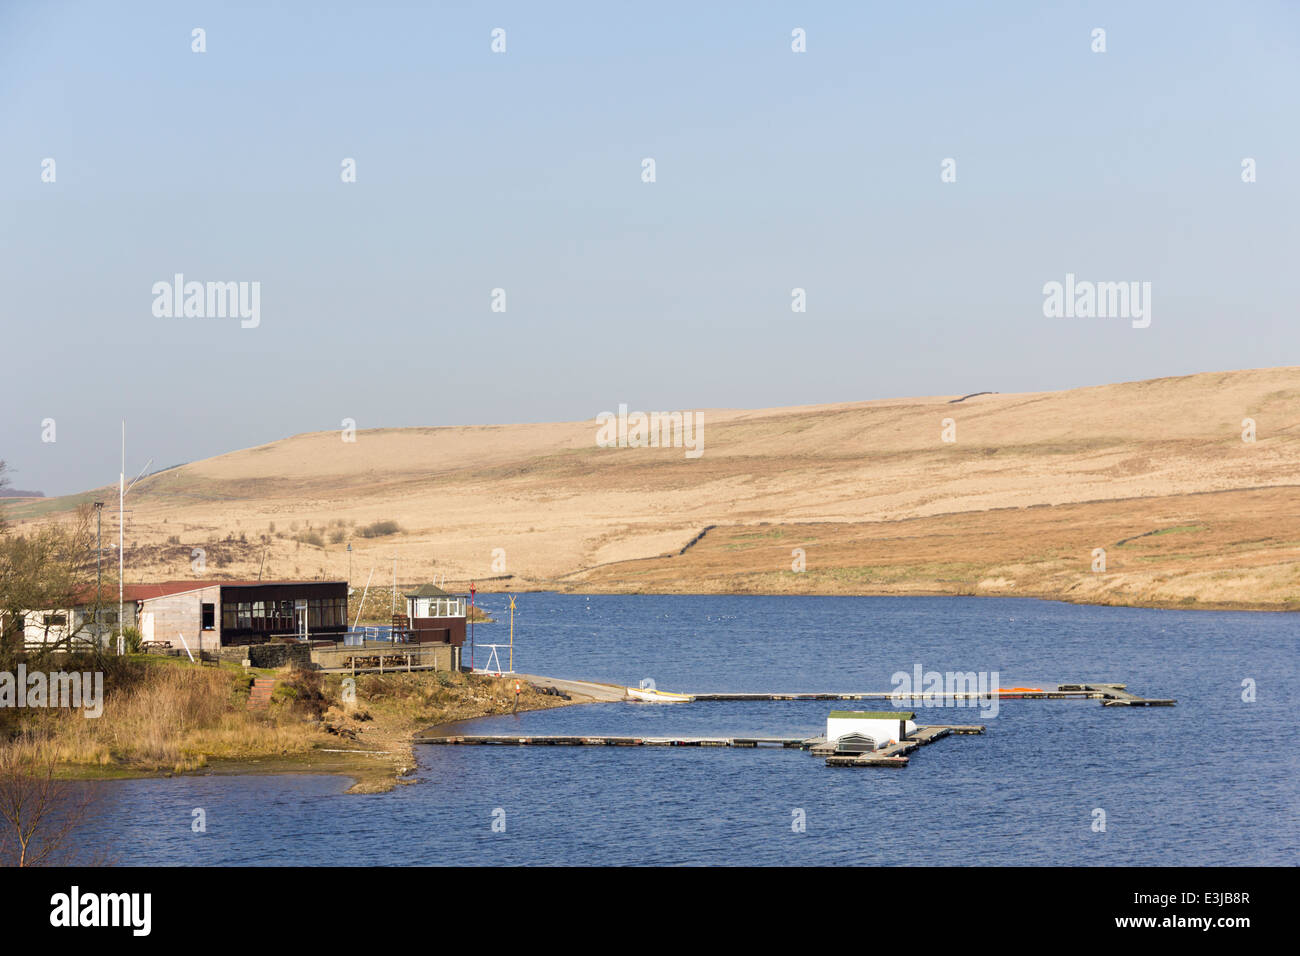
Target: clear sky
x,y
522,170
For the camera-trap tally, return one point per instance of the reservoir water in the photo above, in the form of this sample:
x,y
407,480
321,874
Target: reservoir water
x,y
1211,781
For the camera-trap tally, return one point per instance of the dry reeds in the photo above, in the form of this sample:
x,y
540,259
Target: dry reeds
x,y
174,716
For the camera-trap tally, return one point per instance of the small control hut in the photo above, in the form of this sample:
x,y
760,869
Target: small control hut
x,y
437,617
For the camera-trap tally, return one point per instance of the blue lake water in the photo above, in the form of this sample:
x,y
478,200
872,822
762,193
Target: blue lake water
x,y
1212,781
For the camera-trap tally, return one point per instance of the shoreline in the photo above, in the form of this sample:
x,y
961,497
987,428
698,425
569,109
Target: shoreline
x,y
1050,597
358,765
381,762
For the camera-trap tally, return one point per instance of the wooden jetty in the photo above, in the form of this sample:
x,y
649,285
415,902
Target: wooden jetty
x,y
557,740
893,755
1117,695
1110,695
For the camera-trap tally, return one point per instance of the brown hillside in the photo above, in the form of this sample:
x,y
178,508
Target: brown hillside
x,y
879,503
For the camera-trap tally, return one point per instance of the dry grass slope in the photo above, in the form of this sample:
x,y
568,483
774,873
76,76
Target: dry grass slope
x,y
1033,483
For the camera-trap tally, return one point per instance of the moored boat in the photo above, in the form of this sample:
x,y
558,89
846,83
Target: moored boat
x,y
652,696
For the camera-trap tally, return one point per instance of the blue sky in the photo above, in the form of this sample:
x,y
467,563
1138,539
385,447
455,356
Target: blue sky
x,y
522,171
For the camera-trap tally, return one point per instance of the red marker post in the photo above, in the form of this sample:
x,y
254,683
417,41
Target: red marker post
x,y
471,625
517,689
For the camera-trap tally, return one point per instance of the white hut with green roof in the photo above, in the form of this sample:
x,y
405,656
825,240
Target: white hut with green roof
x,y
862,730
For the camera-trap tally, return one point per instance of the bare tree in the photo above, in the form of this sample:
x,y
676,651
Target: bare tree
x,y
51,568
39,813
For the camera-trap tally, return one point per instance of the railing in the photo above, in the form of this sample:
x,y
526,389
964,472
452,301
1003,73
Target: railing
x,y
383,656
365,636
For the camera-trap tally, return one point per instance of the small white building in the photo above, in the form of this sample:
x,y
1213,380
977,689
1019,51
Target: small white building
x,y
53,626
862,730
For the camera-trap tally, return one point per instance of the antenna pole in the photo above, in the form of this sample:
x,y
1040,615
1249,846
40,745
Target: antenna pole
x,y
121,539
512,634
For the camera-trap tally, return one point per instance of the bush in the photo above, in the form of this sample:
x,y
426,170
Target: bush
x,y
133,639
379,529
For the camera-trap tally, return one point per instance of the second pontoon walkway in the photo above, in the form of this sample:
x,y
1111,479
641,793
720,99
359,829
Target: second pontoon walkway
x,y
892,755
605,740
1108,694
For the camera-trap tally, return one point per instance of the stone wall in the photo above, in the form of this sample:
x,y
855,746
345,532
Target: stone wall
x,y
272,654
276,654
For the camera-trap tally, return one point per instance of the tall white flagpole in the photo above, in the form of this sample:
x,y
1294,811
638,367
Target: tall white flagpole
x,y
121,519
